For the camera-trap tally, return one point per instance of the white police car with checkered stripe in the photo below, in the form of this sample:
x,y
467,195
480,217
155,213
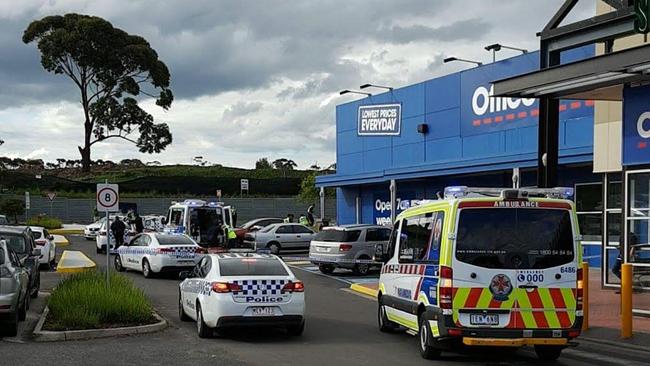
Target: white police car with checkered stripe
x,y
155,252
241,289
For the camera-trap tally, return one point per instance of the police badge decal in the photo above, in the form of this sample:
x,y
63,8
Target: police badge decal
x,y
500,287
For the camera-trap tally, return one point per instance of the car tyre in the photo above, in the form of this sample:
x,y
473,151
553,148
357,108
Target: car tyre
x,y
362,269
118,263
146,269
385,325
548,353
326,268
203,330
99,250
296,330
274,247
181,312
34,293
426,350
22,312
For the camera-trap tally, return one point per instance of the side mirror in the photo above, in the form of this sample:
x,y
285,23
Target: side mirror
x,y
184,274
51,237
36,253
380,256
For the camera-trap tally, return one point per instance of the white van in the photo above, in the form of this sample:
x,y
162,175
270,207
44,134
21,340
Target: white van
x,y
197,219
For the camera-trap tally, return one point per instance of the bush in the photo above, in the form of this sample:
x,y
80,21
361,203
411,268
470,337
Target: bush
x,y
46,222
82,301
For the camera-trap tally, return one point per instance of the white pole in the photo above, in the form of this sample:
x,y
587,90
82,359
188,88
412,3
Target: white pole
x,y
108,245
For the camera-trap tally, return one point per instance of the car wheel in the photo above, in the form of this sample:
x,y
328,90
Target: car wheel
x,y
146,269
275,247
385,325
296,330
34,294
99,250
326,268
22,312
181,312
203,330
362,269
426,350
548,353
118,263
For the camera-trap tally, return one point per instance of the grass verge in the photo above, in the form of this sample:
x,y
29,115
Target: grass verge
x,y
83,301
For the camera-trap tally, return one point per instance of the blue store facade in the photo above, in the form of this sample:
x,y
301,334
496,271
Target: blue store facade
x,y
449,131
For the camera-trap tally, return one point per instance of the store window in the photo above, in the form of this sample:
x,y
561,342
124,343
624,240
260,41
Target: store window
x,y
589,207
613,229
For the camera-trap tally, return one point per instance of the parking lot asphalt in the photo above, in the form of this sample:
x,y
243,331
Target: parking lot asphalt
x,y
341,330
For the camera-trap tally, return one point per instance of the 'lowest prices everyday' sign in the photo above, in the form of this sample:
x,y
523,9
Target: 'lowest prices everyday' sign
x,y
380,120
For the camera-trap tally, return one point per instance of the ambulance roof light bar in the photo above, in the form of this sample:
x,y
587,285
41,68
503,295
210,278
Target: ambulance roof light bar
x,y
464,191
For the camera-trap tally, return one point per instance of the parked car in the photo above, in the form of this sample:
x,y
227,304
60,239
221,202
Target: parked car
x,y
154,252
278,237
102,237
255,225
348,246
45,242
14,282
91,231
19,239
3,220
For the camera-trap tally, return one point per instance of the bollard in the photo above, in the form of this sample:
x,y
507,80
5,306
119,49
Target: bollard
x,y
585,296
626,301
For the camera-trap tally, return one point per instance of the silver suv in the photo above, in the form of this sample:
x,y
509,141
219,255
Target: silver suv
x,y
348,246
14,297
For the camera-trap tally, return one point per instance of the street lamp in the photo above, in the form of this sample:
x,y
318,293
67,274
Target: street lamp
x,y
497,47
450,59
347,91
389,88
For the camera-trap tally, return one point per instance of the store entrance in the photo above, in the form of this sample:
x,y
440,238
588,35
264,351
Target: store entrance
x,y
637,235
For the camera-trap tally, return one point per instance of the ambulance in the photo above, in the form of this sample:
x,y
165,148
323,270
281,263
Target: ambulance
x,y
485,267
197,219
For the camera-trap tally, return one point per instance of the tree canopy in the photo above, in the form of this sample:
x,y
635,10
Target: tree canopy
x,y
111,68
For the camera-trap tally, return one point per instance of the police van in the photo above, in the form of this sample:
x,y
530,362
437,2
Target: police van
x,y
485,267
198,219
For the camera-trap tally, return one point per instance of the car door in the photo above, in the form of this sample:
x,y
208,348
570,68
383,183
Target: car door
x,y
193,286
285,235
21,272
303,236
139,251
127,252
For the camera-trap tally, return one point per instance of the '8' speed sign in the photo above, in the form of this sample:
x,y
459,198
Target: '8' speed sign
x,y
108,197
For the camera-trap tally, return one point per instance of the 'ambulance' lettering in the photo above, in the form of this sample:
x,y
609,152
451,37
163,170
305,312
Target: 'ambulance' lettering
x,y
515,204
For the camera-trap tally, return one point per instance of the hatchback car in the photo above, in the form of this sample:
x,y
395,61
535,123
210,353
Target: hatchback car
x,y
45,242
14,281
154,252
242,289
19,239
278,237
350,246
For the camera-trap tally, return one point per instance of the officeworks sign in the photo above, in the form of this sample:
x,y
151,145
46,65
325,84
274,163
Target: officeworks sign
x,y
636,125
379,120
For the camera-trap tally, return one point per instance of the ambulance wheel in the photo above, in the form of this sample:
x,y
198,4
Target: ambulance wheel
x,y
326,268
146,269
181,312
385,325
426,351
203,330
548,353
118,263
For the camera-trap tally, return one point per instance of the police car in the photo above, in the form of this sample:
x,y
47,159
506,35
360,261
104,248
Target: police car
x,y
154,252
485,267
241,289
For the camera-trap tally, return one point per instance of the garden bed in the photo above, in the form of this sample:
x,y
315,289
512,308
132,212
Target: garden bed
x,y
83,301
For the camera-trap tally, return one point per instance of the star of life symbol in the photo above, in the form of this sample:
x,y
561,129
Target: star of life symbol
x,y
500,287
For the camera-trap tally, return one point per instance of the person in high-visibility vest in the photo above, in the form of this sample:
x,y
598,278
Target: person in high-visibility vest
x,y
231,237
303,220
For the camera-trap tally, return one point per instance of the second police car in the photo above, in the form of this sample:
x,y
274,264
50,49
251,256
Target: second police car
x,y
242,289
153,252
485,267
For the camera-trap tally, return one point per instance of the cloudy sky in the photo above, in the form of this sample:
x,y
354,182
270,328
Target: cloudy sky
x,y
253,78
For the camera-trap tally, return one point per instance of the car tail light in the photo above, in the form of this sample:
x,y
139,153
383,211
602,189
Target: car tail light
x,y
455,332
446,287
40,242
579,289
345,247
294,287
4,272
201,251
225,287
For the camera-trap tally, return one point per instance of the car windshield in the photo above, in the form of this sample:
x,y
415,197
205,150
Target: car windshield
x,y
339,236
15,242
36,235
266,229
174,240
251,267
515,238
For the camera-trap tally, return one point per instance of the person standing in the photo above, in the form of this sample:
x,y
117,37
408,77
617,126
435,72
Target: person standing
x,y
118,228
139,225
310,215
288,219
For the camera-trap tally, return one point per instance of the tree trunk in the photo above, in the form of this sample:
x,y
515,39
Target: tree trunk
x,y
85,158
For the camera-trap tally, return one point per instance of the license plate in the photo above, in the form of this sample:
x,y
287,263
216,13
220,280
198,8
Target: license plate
x,y
484,319
263,311
322,249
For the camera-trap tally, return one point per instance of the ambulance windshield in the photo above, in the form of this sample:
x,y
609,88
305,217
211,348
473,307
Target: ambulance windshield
x,y
515,238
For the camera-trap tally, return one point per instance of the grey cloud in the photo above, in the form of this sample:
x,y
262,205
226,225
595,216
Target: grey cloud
x,y
241,108
464,29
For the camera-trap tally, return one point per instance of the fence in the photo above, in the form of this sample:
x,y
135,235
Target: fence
x,y
73,210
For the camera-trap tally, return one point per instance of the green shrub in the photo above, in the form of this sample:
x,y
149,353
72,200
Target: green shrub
x,y
46,222
82,301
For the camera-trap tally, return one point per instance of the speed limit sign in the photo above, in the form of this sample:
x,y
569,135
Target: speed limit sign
x,y
108,197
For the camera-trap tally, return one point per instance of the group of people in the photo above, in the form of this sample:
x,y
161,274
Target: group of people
x,y
118,227
307,220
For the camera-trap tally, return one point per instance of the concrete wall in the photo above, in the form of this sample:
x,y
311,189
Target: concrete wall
x,y
72,210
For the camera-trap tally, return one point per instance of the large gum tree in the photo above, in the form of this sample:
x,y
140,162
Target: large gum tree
x,y
111,68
